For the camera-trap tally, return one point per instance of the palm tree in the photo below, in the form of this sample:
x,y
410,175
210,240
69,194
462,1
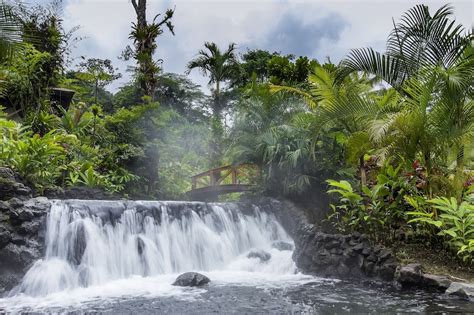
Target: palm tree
x,y
419,41
10,32
220,67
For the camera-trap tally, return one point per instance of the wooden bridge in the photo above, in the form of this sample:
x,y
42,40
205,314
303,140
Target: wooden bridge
x,y
207,186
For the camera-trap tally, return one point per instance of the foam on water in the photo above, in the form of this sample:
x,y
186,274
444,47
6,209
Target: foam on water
x,y
91,256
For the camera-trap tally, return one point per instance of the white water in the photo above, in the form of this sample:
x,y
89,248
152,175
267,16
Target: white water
x,y
137,254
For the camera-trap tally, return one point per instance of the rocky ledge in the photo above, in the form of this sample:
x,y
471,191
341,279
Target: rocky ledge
x,y
331,255
22,229
412,276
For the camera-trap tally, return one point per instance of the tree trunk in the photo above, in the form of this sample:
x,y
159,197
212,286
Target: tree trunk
x,y
363,173
96,91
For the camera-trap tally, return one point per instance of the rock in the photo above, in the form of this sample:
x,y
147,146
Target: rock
x,y
7,173
462,290
80,192
15,203
4,206
29,228
10,186
260,254
281,245
140,245
5,237
18,240
191,279
409,275
439,283
78,244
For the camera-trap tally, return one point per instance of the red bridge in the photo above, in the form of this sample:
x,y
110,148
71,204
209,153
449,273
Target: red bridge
x,y
223,180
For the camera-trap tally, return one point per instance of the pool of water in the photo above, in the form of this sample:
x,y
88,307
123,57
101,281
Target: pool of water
x,y
238,292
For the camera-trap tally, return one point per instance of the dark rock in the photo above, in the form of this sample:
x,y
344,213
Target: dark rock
x,y
5,237
321,254
260,254
29,228
191,279
18,240
4,206
409,275
78,244
343,271
15,203
439,283
80,192
462,290
281,245
140,245
7,173
333,244
11,186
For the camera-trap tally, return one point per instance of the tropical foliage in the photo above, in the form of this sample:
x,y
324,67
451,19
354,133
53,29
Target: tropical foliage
x,y
390,136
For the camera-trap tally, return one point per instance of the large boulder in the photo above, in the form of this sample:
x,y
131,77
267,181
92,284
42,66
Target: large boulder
x,y
262,255
411,275
191,279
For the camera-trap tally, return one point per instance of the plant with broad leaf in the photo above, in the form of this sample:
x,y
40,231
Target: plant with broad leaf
x,y
451,219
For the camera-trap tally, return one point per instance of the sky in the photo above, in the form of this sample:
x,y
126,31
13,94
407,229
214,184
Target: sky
x,y
317,29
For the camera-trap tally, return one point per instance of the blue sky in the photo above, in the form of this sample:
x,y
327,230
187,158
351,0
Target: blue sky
x,y
318,29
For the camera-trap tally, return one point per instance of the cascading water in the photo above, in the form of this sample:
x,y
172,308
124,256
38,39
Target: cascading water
x,y
123,256
90,243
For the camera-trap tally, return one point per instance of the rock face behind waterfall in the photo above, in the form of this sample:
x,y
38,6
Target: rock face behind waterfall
x,y
330,255
22,227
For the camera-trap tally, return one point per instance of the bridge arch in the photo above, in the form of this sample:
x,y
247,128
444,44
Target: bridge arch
x,y
227,179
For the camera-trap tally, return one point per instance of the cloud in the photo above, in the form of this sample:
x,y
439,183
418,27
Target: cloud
x,y
315,28
294,36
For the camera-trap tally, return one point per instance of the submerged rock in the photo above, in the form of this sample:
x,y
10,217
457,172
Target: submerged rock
x,y
260,254
281,245
191,279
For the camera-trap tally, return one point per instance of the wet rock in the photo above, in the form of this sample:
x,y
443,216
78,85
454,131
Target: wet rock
x,y
462,290
29,228
78,244
281,245
260,254
438,283
191,279
5,237
409,275
140,245
4,206
15,203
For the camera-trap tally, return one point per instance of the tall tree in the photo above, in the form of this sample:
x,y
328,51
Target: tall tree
x,y
144,36
220,67
98,72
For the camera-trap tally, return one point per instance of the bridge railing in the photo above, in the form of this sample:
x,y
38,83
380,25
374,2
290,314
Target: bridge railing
x,y
225,175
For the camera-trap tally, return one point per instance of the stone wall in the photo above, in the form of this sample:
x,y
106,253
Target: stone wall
x,y
330,255
22,229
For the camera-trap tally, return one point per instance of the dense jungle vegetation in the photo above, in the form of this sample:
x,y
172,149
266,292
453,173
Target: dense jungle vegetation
x,y
389,134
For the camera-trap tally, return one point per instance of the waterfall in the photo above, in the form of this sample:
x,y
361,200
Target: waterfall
x,y
90,243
